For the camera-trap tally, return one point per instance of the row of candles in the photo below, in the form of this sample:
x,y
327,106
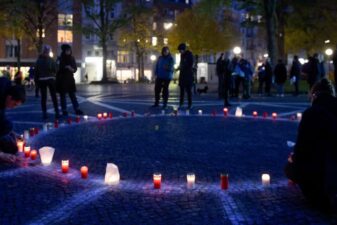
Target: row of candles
x,y
112,173
112,176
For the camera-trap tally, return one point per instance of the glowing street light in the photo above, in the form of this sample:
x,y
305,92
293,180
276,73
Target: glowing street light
x,y
329,52
327,41
236,50
153,57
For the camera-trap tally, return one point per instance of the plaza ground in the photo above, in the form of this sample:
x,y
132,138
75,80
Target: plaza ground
x,y
207,145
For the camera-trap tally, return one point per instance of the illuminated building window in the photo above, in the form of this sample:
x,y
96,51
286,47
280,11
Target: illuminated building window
x,y
154,41
165,41
65,20
123,57
154,26
64,36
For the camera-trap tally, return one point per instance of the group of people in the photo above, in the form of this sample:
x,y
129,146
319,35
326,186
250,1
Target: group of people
x,y
57,77
164,70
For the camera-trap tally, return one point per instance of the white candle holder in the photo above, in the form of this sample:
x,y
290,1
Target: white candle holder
x,y
299,116
265,179
46,155
86,117
190,180
26,135
199,112
112,176
238,112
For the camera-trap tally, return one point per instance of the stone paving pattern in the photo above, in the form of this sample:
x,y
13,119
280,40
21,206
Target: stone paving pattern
x,y
206,145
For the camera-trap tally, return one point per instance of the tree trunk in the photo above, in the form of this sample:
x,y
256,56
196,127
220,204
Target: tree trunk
x,y
270,14
18,58
142,66
105,54
139,65
281,22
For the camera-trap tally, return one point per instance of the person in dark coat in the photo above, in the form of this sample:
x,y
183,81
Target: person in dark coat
x,y
227,78
186,74
220,72
334,60
10,97
313,70
45,72
65,82
280,72
164,74
295,73
313,164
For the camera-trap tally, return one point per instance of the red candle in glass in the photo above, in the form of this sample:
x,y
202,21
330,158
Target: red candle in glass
x,y
157,180
78,119
56,124
225,112
110,115
255,114
65,166
70,120
36,131
27,151
133,113
105,115
33,154
274,115
84,172
224,181
99,116
125,114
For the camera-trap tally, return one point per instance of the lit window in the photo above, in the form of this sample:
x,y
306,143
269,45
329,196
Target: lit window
x,y
167,26
43,33
64,36
154,26
65,20
123,57
154,41
165,41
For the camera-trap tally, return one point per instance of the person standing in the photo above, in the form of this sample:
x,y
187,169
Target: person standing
x,y
186,74
220,72
248,71
313,70
227,78
65,82
295,73
45,72
280,77
10,97
269,77
334,60
164,73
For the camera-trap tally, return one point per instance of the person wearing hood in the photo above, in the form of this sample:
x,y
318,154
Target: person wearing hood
x,y
45,72
186,74
65,82
10,97
164,74
313,164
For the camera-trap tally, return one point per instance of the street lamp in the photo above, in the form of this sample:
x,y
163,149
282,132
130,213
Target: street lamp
x,y
236,50
153,58
328,52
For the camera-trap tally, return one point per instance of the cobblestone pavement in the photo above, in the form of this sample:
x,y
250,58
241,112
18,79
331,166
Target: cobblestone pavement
x,y
206,145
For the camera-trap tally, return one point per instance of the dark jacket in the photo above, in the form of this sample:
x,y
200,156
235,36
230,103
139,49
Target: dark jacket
x,y
45,68
164,67
315,153
65,81
280,73
5,125
186,69
295,70
220,67
313,70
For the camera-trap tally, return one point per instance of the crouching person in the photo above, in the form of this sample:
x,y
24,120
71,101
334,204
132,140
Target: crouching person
x,y
10,97
313,164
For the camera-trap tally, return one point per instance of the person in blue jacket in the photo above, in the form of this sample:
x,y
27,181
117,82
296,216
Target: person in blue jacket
x,y
164,74
10,97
